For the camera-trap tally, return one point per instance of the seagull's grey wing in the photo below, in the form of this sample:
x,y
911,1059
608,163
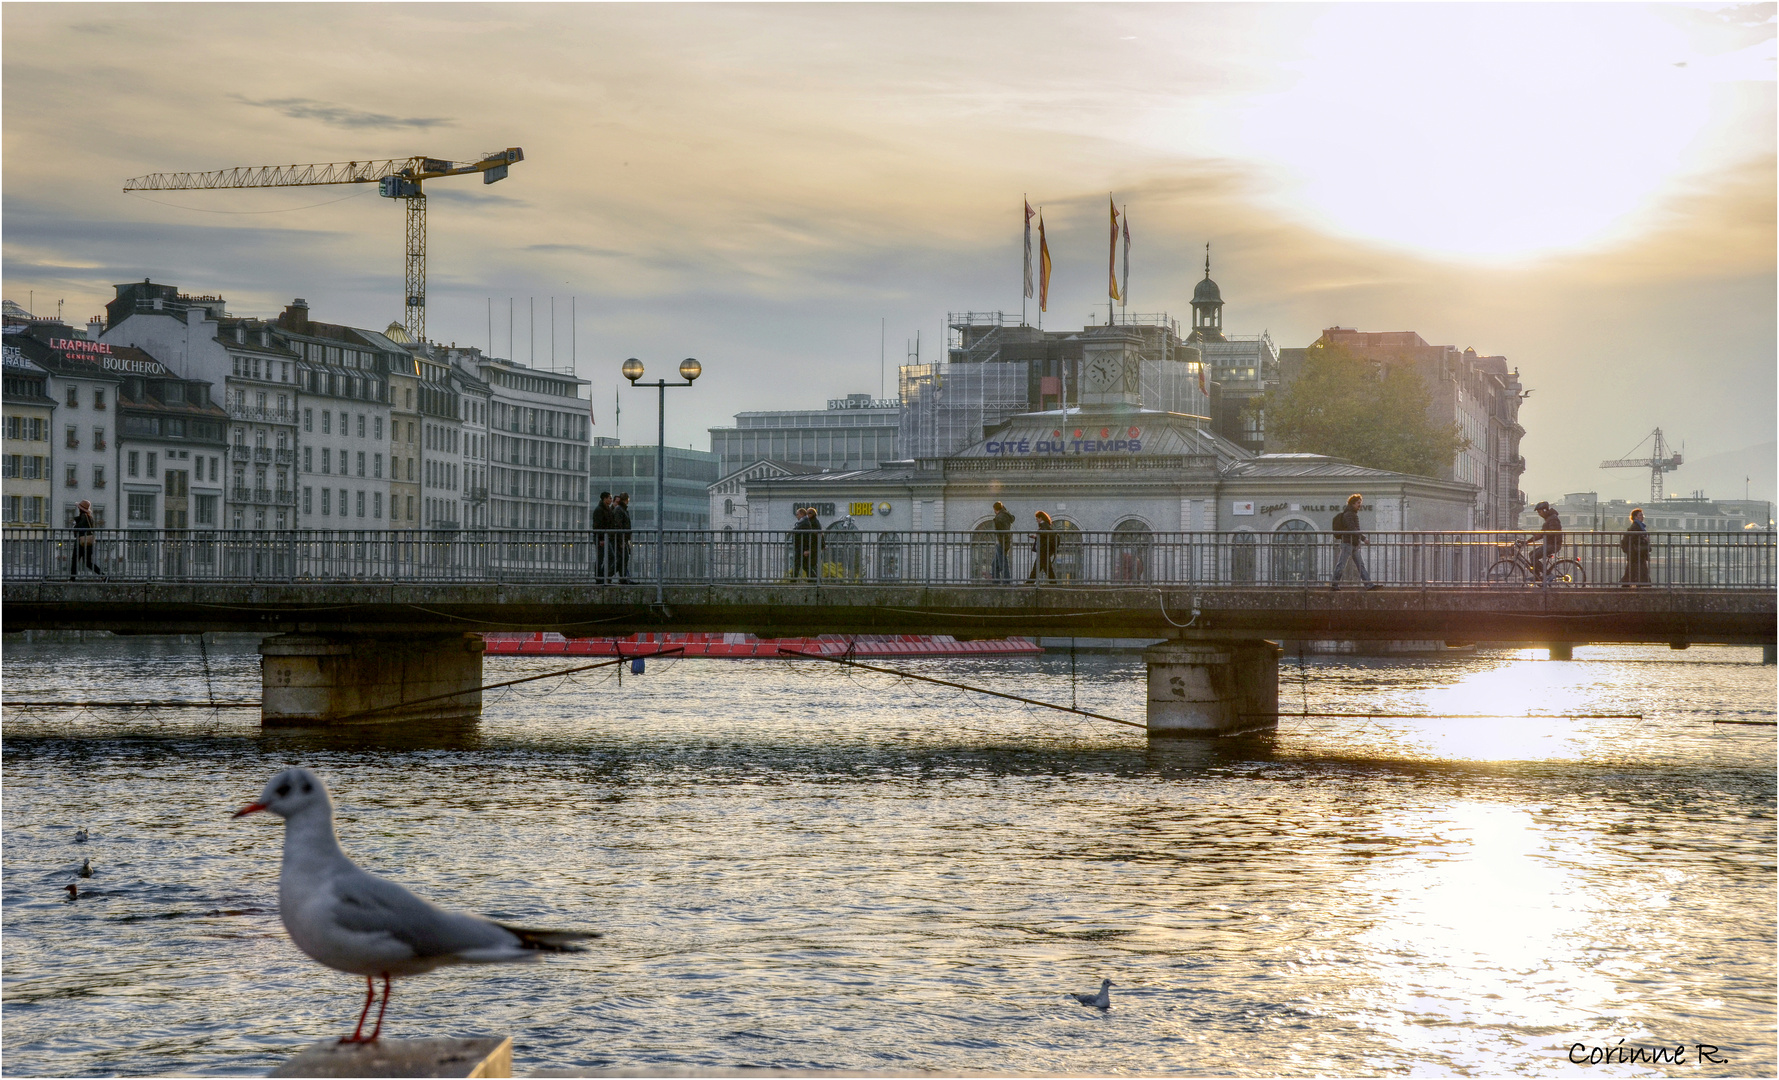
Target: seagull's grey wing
x,y
368,904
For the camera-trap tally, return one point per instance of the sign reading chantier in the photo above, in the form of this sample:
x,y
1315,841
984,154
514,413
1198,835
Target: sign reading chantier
x,y
1103,440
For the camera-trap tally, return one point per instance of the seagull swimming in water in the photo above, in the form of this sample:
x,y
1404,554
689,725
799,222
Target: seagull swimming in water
x,y
351,921
86,868
80,836
1101,1000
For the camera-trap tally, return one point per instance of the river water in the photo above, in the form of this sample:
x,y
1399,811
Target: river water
x,y
806,866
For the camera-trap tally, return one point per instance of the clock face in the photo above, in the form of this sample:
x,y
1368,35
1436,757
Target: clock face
x,y
1102,373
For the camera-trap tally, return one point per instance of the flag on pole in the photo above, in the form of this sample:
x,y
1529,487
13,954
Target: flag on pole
x,y
1124,294
1201,380
1028,249
1043,267
1112,256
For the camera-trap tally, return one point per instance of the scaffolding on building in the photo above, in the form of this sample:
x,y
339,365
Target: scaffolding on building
x,y
947,407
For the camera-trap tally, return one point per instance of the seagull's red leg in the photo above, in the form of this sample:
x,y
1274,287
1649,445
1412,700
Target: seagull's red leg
x,y
369,992
378,1030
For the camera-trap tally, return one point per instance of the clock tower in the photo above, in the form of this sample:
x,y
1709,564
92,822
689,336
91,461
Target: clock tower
x,y
1110,368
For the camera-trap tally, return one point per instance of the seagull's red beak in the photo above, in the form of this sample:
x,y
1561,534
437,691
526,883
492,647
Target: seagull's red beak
x,y
250,808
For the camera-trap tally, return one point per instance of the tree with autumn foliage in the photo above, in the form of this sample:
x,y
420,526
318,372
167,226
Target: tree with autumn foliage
x,y
1369,412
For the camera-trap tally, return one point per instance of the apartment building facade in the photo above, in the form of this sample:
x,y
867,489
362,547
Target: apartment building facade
x,y
27,457
538,439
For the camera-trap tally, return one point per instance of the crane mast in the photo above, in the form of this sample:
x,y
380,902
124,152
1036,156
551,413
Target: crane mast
x,y
396,178
1656,463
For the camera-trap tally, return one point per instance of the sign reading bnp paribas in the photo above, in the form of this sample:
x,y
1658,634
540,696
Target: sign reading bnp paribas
x,y
1079,440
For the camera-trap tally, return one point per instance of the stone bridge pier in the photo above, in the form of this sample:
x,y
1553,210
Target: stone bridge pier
x,y
317,680
1210,688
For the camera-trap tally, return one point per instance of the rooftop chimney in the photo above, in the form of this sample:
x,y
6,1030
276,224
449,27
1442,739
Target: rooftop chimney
x,y
296,316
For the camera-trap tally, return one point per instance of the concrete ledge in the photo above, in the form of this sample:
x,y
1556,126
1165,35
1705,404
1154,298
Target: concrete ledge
x,y
403,1057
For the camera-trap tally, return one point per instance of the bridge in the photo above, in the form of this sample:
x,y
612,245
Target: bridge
x,y
383,625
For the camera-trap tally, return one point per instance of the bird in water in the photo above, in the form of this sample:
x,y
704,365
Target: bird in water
x,y
1101,1000
73,891
86,869
80,836
352,921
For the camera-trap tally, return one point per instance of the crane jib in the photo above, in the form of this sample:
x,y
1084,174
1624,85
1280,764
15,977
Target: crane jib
x,y
396,178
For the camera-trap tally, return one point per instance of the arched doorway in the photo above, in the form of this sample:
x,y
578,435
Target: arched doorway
x,y
1132,541
1294,551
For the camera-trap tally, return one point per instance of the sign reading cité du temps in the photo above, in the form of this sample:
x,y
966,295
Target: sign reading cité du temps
x,y
1103,440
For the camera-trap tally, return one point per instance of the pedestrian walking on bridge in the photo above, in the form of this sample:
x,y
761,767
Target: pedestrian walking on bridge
x,y
83,540
1350,536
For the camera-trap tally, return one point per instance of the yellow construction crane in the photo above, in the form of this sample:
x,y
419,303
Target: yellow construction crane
x,y
396,178
1655,463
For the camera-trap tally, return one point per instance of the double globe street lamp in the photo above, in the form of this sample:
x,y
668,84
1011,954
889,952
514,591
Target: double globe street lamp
x,y
689,370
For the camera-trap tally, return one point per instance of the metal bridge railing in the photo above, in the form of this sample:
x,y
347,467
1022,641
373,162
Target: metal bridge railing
x,y
842,557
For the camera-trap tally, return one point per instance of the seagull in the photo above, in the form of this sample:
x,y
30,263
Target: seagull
x,y
86,869
80,836
351,921
1101,1000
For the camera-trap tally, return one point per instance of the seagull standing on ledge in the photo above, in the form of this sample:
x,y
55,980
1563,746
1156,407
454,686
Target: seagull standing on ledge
x,y
1101,1000
351,921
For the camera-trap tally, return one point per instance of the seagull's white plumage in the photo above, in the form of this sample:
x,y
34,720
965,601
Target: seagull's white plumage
x,y
1101,1000
352,921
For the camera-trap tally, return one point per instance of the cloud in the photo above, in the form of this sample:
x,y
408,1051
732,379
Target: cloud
x,y
341,115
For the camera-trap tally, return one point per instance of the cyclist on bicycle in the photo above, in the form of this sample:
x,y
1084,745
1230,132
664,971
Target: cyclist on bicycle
x,y
1552,542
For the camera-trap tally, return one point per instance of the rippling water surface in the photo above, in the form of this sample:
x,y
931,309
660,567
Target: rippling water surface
x,y
805,866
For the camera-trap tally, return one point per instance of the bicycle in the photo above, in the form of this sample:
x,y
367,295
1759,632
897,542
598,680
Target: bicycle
x,y
1514,568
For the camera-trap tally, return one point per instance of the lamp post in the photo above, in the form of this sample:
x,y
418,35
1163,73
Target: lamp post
x,y
689,370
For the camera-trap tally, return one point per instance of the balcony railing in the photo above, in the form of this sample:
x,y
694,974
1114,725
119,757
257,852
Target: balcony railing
x,y
239,452
840,558
262,453
266,415
284,455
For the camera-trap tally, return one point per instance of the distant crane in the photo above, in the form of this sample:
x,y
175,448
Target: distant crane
x,y
396,178
1655,463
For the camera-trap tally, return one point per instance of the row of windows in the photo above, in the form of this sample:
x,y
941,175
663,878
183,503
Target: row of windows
x,y
546,422
267,369
172,427
28,428
539,485
25,509
98,397
347,505
547,455
511,515
345,422
532,385
24,467
134,460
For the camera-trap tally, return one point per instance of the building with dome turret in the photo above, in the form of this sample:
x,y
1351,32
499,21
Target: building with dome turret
x,y
1239,368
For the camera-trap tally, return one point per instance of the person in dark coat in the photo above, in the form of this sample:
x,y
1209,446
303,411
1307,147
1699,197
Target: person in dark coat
x,y
603,563
1043,548
800,542
1002,568
83,540
813,523
1350,536
1635,545
621,523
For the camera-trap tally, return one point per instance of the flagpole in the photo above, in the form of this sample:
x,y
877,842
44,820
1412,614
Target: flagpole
x,y
1026,275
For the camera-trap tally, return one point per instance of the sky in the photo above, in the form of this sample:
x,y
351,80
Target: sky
x,y
792,194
